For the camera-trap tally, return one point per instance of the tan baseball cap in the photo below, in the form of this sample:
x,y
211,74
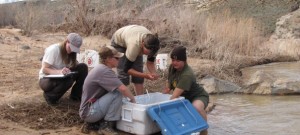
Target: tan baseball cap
x,y
109,51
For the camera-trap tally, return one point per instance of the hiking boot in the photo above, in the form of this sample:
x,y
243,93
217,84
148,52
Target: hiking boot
x,y
49,101
107,128
87,127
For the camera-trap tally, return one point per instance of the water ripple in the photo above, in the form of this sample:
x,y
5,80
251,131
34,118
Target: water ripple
x,y
254,115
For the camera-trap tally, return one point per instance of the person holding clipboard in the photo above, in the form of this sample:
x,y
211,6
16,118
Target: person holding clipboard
x,y
60,70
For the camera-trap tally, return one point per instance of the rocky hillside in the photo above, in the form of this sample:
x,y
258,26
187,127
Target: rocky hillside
x,y
231,33
265,11
56,12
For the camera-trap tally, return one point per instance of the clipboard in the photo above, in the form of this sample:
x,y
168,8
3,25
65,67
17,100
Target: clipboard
x,y
60,76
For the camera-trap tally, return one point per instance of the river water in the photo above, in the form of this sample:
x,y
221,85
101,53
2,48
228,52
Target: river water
x,y
237,114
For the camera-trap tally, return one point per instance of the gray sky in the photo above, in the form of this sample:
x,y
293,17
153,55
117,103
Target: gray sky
x,y
8,1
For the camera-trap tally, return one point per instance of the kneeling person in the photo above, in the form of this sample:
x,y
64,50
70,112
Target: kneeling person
x,y
182,81
103,91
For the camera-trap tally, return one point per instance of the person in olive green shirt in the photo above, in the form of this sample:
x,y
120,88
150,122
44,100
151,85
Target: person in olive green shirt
x,y
182,81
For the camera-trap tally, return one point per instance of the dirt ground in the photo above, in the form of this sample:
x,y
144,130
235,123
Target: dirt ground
x,y
22,108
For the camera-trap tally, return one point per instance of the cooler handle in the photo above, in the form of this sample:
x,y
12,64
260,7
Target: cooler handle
x,y
127,114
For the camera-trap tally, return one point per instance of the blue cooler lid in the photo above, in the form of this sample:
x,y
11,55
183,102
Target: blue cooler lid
x,y
178,117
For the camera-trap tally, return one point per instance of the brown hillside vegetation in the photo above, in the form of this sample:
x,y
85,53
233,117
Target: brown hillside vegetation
x,y
222,36
228,31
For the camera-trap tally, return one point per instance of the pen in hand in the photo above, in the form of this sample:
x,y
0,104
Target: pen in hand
x,y
65,71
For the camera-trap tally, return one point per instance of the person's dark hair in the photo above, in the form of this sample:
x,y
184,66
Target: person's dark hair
x,y
179,53
151,42
68,59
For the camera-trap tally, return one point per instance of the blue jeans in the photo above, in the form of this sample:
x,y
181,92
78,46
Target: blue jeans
x,y
107,107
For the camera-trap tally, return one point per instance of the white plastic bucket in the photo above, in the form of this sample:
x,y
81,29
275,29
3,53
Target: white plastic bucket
x,y
89,57
162,61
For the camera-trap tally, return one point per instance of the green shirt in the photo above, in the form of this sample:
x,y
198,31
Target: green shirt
x,y
186,80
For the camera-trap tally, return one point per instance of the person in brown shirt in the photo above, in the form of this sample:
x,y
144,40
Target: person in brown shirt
x,y
135,41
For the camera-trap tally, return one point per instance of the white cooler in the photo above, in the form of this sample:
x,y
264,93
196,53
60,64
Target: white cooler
x,y
135,119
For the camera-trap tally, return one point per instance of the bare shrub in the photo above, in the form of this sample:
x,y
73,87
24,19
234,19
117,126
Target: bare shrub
x,y
78,18
30,17
175,24
230,41
116,14
6,15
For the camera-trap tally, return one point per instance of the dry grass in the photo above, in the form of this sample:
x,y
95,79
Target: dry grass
x,y
227,35
224,43
232,42
229,41
42,116
21,100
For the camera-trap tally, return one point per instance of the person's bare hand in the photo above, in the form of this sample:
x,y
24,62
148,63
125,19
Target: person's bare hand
x,y
150,76
132,101
166,91
156,76
65,71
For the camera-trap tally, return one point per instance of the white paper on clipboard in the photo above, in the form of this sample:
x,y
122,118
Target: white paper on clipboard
x,y
54,76
60,76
